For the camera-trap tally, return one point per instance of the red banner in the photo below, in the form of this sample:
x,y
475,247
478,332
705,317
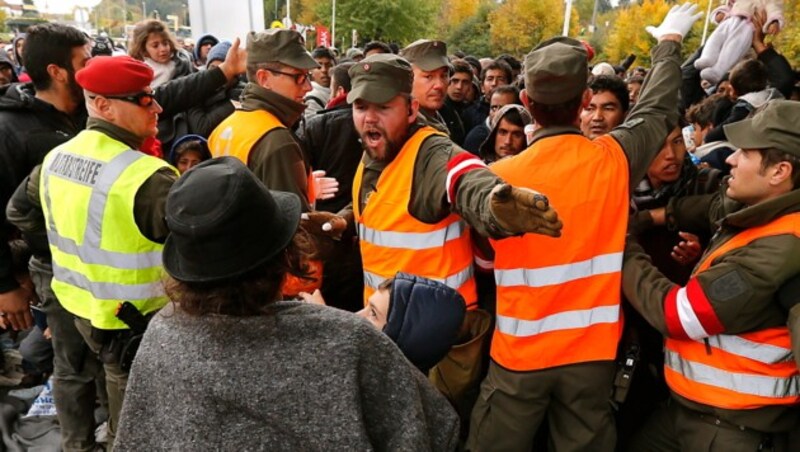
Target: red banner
x,y
323,36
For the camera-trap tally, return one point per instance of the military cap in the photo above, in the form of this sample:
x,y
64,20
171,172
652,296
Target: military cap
x,y
426,54
281,45
556,71
776,126
379,78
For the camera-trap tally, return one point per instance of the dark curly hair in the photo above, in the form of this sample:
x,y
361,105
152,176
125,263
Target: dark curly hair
x,y
249,294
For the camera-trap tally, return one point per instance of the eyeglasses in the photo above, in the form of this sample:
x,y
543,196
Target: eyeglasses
x,y
142,99
299,79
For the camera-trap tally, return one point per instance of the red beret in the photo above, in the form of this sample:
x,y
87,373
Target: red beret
x,y
589,50
114,75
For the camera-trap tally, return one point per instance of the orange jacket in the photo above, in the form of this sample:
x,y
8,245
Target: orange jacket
x,y
392,240
738,372
558,299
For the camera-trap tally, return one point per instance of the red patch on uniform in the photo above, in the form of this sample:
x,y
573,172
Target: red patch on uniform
x,y
366,67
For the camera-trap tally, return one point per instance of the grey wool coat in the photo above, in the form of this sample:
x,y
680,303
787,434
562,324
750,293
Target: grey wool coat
x,y
301,378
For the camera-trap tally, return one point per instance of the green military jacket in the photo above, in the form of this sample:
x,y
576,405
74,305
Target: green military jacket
x,y
741,285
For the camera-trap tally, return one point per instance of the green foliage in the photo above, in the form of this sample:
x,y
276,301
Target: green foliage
x,y
3,18
472,36
401,21
518,25
788,40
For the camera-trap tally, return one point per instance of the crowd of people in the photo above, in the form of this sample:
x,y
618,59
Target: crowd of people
x,y
252,245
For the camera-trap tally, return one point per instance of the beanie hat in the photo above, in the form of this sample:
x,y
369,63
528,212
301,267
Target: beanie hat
x,y
218,52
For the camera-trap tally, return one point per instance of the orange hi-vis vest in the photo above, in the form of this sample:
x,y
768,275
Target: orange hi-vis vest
x,y
238,134
392,240
736,372
558,299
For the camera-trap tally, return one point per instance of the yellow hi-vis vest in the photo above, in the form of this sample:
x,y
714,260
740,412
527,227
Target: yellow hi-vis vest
x,y
100,258
236,135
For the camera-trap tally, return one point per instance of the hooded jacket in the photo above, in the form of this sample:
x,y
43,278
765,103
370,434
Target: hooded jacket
x,y
4,59
18,66
203,39
424,319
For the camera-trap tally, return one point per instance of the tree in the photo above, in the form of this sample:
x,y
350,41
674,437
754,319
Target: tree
x,y
472,35
456,12
518,25
788,40
3,18
402,21
628,36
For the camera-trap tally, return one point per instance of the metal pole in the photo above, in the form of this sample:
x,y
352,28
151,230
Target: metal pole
x,y
594,16
567,13
333,26
708,19
289,9
144,11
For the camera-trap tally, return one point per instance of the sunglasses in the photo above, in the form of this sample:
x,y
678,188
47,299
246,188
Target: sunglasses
x,y
299,79
142,99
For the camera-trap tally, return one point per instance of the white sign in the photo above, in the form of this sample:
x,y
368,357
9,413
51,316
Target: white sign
x,y
215,17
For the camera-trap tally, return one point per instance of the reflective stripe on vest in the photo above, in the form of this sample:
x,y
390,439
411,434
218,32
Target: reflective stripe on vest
x,y
454,281
743,371
557,322
559,274
761,386
100,258
558,300
89,251
392,240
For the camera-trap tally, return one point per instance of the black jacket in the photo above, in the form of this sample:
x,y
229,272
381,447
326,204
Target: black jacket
x,y
180,95
451,113
332,144
29,129
424,319
475,114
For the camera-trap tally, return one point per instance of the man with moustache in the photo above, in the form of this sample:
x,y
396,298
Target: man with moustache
x,y
415,192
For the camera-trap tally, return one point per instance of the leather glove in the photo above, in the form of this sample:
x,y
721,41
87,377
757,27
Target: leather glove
x,y
679,21
324,224
522,210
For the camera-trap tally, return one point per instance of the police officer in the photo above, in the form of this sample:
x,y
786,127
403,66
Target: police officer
x,y
103,204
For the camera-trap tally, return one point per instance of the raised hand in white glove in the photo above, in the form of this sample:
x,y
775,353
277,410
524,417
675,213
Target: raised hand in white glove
x,y
324,187
679,21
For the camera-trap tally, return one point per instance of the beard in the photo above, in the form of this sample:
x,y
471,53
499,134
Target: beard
x,y
75,90
390,148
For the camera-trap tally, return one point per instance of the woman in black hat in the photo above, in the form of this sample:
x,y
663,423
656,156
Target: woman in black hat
x,y
229,366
